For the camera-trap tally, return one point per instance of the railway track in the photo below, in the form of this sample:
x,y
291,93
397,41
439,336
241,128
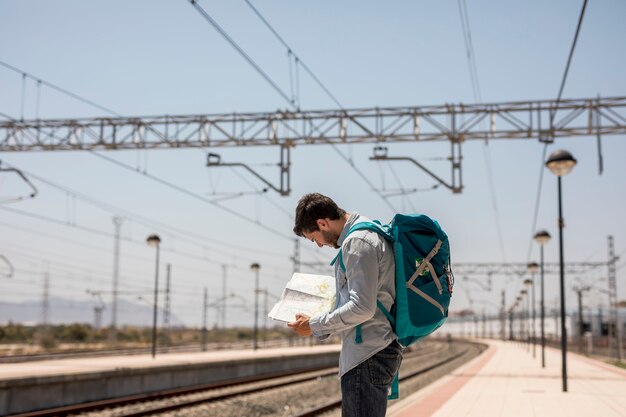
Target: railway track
x,y
405,378
305,394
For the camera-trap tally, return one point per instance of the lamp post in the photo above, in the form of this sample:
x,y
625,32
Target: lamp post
x,y
525,307
511,310
520,314
561,163
155,241
533,267
542,237
255,267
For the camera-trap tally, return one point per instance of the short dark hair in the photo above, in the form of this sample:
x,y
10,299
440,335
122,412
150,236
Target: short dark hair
x,y
312,207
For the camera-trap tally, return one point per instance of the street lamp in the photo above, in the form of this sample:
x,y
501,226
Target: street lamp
x,y
511,310
542,237
561,163
520,316
155,241
255,267
533,267
526,307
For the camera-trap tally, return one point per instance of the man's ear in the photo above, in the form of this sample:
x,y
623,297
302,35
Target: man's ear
x,y
323,224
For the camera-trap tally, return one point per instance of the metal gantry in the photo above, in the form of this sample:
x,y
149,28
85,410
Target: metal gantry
x,y
519,269
544,120
455,123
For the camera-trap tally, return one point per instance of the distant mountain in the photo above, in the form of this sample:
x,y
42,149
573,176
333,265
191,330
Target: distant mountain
x,y
70,311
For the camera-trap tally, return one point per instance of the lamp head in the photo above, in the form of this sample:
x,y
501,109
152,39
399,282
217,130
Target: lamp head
x,y
153,240
255,267
561,162
542,237
533,267
528,283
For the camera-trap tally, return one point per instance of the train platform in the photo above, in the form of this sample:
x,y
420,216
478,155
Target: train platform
x,y
36,385
73,366
506,381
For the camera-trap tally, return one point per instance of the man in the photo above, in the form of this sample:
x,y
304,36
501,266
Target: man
x,y
370,354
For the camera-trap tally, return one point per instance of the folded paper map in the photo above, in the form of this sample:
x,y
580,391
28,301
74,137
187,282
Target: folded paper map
x,y
305,293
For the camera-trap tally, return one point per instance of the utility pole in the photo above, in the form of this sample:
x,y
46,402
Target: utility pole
x,y
117,222
296,256
484,324
97,319
224,297
503,317
581,326
166,315
45,302
97,309
265,317
615,338
476,331
205,309
255,267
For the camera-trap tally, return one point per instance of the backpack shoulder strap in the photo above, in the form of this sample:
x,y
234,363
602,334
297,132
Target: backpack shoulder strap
x,y
374,226
384,231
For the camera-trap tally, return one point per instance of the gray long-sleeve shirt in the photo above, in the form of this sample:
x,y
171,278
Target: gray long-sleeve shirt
x,y
369,276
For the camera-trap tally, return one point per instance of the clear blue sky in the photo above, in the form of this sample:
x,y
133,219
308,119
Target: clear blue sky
x,y
158,57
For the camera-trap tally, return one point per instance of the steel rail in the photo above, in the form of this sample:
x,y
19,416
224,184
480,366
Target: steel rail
x,y
335,403
185,404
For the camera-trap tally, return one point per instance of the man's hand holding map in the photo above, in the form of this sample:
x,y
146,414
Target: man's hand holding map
x,y
305,293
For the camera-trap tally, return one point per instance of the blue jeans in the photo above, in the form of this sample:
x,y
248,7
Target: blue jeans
x,y
364,388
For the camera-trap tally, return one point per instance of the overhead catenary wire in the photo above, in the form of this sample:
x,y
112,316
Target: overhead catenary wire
x,y
552,115
393,171
110,235
281,209
57,88
475,80
68,270
179,233
537,203
469,49
569,61
278,89
102,204
82,244
87,101
6,116
243,53
194,195
297,58
59,264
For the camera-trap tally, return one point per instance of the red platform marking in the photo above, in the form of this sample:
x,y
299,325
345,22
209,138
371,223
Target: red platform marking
x,y
428,405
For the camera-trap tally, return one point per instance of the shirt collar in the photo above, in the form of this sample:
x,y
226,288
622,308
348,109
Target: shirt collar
x,y
346,227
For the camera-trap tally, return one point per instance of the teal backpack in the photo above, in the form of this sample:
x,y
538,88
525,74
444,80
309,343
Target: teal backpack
x,y
424,278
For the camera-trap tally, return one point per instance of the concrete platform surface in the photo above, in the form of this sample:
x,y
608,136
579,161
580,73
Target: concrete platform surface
x,y
32,386
506,381
110,363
